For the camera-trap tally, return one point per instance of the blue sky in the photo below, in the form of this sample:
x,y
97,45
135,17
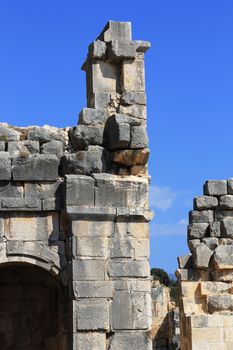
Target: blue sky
x,y
189,72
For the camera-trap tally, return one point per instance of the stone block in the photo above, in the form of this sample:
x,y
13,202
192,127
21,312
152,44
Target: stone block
x,y
92,315
90,116
79,190
89,270
129,268
97,49
53,147
142,46
99,101
96,247
131,157
2,146
84,162
211,242
121,248
214,229
101,77
51,204
197,230
193,243
220,303
230,186
46,134
93,289
89,340
204,216
208,288
121,50
185,262
131,341
201,256
44,190
142,249
226,202
131,311
117,133
116,31
226,226
8,134
139,138
131,98
136,111
23,148
222,214
215,187
10,189
138,229
133,77
205,202
21,204
82,136
5,165
37,167
223,257
112,190
84,228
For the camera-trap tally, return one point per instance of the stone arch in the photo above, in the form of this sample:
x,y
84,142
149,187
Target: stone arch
x,y
33,311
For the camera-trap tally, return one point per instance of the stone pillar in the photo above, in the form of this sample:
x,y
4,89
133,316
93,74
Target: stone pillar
x,y
206,275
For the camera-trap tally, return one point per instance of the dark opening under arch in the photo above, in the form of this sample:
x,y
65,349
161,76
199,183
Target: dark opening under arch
x,y
33,309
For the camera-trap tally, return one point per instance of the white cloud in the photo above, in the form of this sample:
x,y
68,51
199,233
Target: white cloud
x,y
161,197
170,229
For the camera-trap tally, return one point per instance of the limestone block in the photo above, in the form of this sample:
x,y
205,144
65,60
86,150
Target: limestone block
x,y
121,248
130,98
97,49
23,148
96,247
2,146
116,31
201,256
185,261
84,162
226,226
5,165
46,134
121,50
230,186
79,190
53,147
223,257
197,230
130,341
44,190
138,229
93,228
10,189
93,289
82,136
51,204
214,229
112,190
222,275
142,249
134,285
92,315
131,311
101,77
226,202
211,242
136,111
37,167
205,202
220,302
210,287
119,118
133,77
8,134
131,157
89,270
142,46
215,187
89,340
118,133
21,204
139,138
193,243
99,101
204,216
90,116
128,268
31,227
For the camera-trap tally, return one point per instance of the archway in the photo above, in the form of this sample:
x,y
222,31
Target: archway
x,y
33,309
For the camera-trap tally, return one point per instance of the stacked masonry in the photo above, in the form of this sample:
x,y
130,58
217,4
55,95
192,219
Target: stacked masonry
x,y
206,276
74,201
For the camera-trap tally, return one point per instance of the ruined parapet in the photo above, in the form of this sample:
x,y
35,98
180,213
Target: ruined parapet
x,y
206,276
74,201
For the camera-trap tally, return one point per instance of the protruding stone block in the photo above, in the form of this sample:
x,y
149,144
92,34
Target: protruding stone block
x,y
79,190
116,31
220,303
197,230
201,256
214,229
97,49
82,136
139,138
90,116
204,216
215,187
45,134
121,50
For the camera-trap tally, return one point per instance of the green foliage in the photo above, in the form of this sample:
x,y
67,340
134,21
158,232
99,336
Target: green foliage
x,y
163,277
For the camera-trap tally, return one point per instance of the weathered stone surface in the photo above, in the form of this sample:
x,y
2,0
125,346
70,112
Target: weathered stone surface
x,y
226,202
121,248
79,190
44,190
201,256
222,214
214,229
215,187
205,202
116,31
193,243
142,249
89,270
10,189
89,340
90,116
93,289
101,77
121,50
53,147
45,134
92,228
204,216
38,167
21,204
220,302
130,311
226,226
8,134
128,268
82,136
130,98
185,261
112,190
84,162
130,341
92,315
142,46
197,230
223,257
139,138
136,111
5,166
230,186
210,287
211,242
97,49
52,204
132,157
23,148
133,76
97,247
2,146
117,133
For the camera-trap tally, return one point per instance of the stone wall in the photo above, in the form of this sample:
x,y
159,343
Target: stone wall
x,y
74,202
206,275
